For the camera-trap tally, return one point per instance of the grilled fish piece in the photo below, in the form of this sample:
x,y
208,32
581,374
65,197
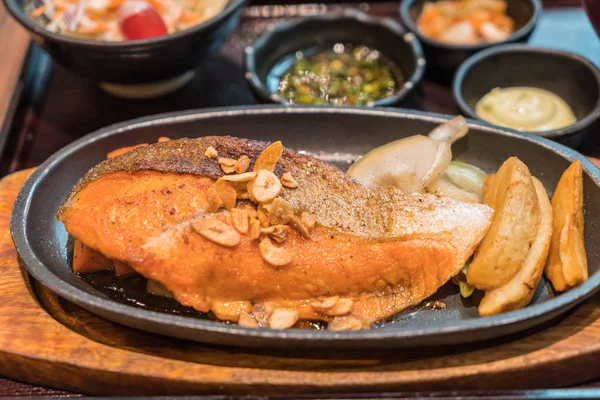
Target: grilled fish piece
x,y
374,251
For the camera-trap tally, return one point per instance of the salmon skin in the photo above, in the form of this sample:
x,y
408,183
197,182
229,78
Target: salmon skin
x,y
373,252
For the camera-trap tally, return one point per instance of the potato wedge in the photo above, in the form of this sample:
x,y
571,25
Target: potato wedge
x,y
87,260
512,194
122,269
567,263
519,291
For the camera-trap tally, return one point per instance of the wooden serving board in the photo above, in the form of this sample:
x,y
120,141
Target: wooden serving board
x,y
49,341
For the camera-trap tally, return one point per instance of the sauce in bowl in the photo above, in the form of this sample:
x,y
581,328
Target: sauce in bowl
x,y
342,75
525,109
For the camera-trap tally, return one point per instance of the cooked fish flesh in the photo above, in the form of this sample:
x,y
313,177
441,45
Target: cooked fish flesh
x,y
371,253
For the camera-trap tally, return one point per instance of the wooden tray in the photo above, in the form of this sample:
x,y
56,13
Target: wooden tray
x,y
49,341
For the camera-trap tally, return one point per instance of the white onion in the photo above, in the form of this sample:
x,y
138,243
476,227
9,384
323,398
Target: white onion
x,y
408,164
445,188
466,177
74,16
419,163
451,130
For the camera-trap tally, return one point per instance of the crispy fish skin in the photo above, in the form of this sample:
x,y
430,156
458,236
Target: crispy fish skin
x,y
381,248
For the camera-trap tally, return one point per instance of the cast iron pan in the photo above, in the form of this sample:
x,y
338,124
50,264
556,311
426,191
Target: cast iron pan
x,y
336,135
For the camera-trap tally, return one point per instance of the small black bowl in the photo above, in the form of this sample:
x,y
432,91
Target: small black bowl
x,y
266,57
134,61
574,78
447,57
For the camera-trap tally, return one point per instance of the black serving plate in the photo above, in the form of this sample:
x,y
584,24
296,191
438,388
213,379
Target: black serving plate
x,y
338,136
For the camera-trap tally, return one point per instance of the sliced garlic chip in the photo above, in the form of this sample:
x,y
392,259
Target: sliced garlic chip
x,y
245,177
240,220
242,164
266,186
281,212
227,164
348,323
288,181
325,303
342,307
276,256
211,152
217,232
282,318
247,320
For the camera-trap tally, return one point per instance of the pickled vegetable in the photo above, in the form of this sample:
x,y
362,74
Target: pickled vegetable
x,y
466,22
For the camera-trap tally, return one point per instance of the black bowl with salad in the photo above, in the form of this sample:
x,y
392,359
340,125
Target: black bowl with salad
x,y
128,41
343,59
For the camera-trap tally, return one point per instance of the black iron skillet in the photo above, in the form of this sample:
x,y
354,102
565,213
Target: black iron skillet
x,y
337,136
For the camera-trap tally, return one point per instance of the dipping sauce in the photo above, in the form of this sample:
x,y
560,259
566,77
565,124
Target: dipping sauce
x,y
525,109
343,75
465,22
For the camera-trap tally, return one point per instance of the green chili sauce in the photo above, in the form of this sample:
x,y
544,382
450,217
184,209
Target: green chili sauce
x,y
343,75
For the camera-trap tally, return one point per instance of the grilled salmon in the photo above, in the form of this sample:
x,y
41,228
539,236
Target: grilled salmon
x,y
371,253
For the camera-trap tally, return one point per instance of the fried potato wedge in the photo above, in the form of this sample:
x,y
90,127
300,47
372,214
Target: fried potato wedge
x,y
567,262
512,194
519,291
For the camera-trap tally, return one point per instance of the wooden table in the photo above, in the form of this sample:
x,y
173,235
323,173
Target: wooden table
x,y
14,42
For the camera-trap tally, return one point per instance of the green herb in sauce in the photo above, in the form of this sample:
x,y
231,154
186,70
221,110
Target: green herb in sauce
x,y
345,75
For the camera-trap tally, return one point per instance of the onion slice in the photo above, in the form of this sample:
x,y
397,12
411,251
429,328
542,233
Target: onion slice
x,y
73,16
416,165
451,130
408,164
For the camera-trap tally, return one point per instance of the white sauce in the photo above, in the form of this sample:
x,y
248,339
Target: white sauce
x,y
525,109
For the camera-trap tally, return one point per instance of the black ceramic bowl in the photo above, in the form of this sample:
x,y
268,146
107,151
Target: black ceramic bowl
x,y
574,78
447,57
136,61
274,52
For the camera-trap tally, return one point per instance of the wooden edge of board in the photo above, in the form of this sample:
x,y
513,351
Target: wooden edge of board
x,y
35,348
13,47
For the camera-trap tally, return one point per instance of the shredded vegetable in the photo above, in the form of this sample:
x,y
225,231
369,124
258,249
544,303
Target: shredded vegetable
x,y
103,20
460,280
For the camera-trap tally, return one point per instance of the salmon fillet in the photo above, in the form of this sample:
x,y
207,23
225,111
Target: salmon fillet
x,y
373,252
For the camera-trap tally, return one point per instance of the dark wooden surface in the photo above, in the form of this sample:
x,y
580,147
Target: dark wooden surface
x,y
70,106
48,340
13,45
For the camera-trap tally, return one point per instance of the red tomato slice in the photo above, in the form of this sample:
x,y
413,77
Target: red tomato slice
x,y
138,20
